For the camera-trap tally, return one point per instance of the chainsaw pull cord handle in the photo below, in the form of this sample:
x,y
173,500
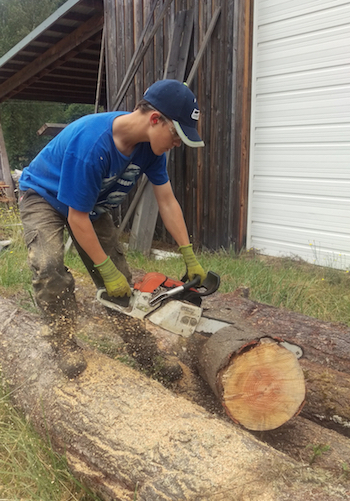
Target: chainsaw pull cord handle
x,y
172,292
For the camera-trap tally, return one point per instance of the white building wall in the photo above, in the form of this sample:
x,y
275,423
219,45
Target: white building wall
x,y
299,191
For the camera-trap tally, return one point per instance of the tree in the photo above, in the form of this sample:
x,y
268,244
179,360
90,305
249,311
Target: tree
x,y
22,119
20,17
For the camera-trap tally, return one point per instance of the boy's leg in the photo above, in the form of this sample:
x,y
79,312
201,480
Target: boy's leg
x,y
107,235
43,229
53,284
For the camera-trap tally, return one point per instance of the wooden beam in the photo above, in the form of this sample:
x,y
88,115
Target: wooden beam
x,y
51,56
241,104
203,46
49,129
100,70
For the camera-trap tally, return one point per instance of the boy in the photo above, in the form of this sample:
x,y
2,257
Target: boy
x,y
78,177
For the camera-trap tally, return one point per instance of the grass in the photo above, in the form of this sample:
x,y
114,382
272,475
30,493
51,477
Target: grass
x,y
29,469
288,283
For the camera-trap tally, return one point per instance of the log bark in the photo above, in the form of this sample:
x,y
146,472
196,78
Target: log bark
x,y
326,353
123,432
311,443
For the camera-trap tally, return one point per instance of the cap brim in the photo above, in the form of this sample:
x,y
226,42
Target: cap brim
x,y
188,135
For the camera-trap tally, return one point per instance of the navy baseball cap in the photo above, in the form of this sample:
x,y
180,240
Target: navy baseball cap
x,y
177,102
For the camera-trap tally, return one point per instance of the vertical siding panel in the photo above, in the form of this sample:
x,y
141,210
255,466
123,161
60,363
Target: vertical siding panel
x,y
129,49
241,123
159,61
138,22
149,76
120,49
111,44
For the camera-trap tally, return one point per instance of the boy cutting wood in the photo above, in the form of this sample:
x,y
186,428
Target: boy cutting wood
x,y
85,171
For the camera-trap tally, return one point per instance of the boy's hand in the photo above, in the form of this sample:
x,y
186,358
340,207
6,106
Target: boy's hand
x,y
192,265
115,282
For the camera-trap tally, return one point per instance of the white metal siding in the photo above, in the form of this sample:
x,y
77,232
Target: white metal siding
x,y
299,192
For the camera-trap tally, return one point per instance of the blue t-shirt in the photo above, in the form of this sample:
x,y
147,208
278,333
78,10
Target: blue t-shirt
x,y
82,168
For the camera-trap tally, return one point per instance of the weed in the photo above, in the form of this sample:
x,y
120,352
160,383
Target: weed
x,y
135,493
345,471
317,451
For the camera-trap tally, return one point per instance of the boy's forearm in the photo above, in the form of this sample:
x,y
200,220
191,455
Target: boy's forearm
x,y
85,235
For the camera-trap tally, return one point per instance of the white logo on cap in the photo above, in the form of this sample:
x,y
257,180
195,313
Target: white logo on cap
x,y
195,114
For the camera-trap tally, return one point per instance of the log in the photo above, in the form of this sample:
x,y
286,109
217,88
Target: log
x,y
311,443
124,433
324,343
258,381
326,353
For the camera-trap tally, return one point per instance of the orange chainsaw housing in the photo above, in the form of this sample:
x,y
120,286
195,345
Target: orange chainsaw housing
x,y
151,282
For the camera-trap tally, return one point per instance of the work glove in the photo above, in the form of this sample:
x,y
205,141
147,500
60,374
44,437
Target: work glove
x,y
192,265
115,282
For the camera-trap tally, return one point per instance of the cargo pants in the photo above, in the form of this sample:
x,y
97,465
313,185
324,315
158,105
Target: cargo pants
x,y
53,283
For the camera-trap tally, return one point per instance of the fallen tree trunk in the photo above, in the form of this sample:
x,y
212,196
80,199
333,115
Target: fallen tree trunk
x,y
326,353
124,433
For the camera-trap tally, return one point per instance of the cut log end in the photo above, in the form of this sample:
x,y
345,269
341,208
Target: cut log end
x,y
263,387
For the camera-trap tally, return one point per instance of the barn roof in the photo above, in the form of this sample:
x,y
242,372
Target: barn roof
x,y
59,60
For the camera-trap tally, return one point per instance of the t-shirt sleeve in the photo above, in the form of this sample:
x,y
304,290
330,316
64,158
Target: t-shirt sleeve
x,y
157,172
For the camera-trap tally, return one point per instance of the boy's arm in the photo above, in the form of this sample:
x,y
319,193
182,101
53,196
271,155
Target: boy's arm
x,y
171,213
172,216
85,235
83,231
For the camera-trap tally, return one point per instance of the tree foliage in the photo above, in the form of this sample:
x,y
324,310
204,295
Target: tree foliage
x,y
21,120
20,17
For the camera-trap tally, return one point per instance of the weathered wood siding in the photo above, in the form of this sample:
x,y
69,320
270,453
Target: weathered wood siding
x,y
211,182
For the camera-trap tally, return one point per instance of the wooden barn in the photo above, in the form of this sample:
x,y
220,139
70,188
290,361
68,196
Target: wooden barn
x,y
273,83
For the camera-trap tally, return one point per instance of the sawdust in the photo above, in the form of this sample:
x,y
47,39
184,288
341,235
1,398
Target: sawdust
x,y
136,343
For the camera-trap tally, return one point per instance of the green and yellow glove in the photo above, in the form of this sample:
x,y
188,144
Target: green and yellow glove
x,y
115,282
192,265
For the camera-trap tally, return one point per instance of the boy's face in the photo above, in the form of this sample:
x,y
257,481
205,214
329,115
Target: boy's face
x,y
163,136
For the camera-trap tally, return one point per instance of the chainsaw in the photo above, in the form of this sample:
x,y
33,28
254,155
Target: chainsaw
x,y
174,305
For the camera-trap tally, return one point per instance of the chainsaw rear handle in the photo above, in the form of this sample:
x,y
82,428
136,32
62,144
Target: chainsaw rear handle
x,y
176,290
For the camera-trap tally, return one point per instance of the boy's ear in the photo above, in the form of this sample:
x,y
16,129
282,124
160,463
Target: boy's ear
x,y
154,118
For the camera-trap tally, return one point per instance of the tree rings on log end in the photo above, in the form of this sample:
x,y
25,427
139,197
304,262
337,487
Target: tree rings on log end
x,y
263,387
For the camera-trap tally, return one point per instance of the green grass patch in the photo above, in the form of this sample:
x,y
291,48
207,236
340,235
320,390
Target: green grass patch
x,y
316,291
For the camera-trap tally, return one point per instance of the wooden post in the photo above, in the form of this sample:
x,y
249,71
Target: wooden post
x,y
5,169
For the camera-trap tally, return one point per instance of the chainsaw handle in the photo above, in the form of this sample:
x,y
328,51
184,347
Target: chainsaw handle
x,y
193,283
176,290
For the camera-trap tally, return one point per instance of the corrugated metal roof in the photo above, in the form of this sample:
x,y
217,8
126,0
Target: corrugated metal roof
x,y
58,61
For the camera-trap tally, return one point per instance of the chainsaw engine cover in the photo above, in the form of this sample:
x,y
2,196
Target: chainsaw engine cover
x,y
178,317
